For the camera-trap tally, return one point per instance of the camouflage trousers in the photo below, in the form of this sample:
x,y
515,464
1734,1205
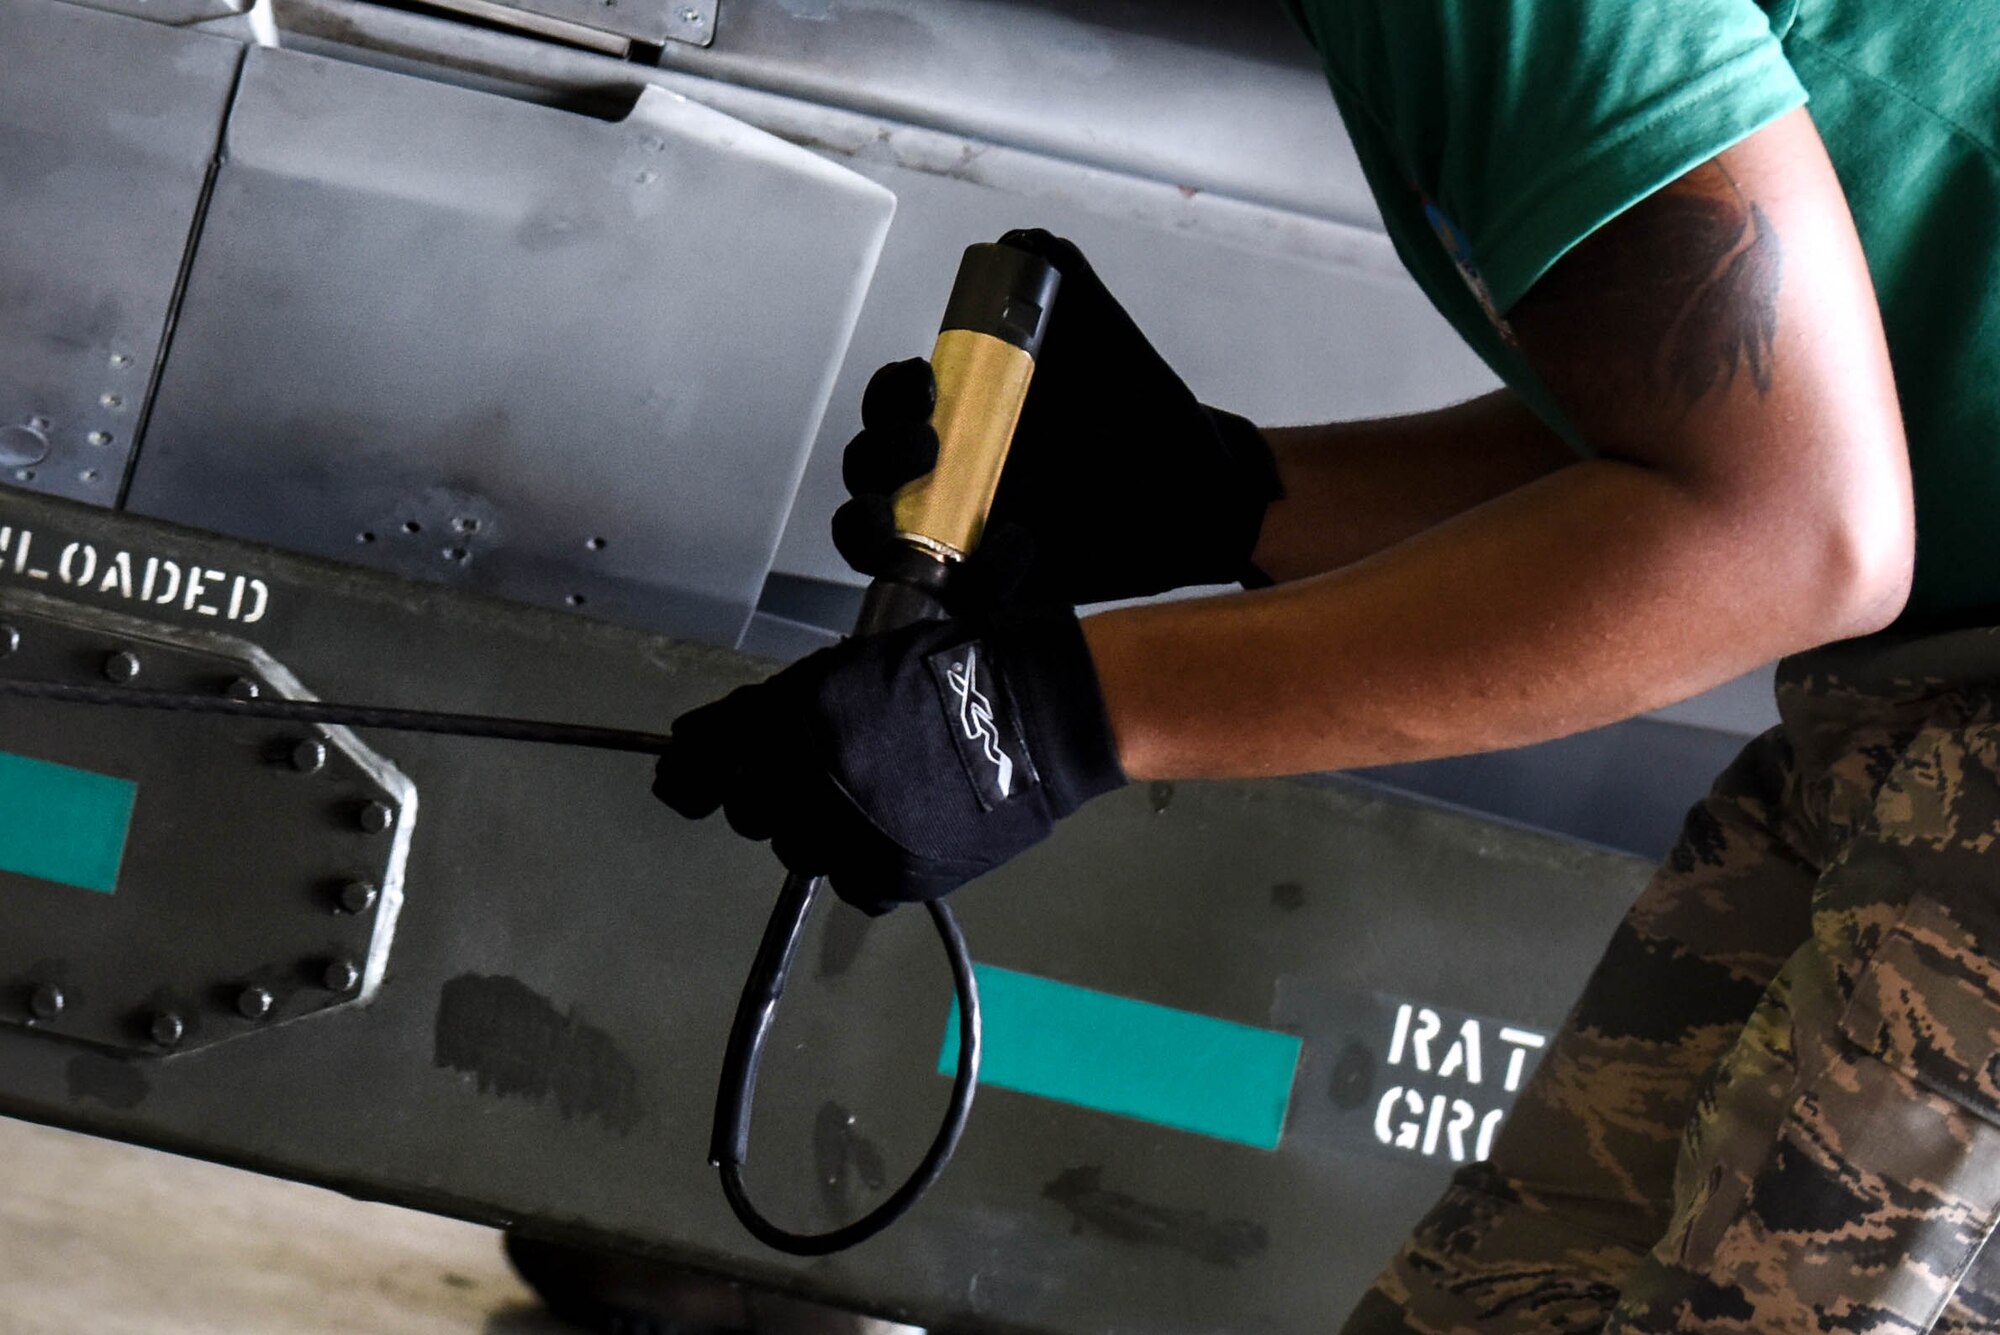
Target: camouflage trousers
x,y
1776,1107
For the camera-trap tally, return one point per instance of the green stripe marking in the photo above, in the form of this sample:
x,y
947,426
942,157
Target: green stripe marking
x,y
63,825
1116,1055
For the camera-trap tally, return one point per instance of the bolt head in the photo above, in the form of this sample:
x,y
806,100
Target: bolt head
x,y
376,817
341,976
122,666
47,1003
358,897
309,756
243,689
255,1003
167,1029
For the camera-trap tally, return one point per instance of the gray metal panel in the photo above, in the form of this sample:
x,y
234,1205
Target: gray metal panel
x,y
1337,328
1278,313
1224,98
107,129
174,13
508,347
544,1047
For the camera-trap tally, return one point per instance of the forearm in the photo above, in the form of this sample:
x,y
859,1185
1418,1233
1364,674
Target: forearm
x,y
1751,498
1356,488
1593,594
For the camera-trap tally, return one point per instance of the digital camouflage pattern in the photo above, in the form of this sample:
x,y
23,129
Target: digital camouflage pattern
x,y
1776,1107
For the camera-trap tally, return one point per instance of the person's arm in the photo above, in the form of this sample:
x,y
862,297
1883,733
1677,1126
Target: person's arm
x,y
1719,347
1354,488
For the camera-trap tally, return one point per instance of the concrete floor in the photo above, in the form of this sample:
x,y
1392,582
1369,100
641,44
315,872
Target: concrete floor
x,y
114,1240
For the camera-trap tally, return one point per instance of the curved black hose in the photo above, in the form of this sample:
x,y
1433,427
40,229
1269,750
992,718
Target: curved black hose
x,y
730,1141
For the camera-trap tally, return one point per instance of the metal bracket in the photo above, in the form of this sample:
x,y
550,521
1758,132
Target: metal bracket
x,y
692,21
606,26
256,880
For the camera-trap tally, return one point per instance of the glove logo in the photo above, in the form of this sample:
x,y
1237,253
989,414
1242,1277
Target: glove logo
x,y
988,740
975,717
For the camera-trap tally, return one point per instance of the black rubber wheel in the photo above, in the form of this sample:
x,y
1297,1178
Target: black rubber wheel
x,y
626,1295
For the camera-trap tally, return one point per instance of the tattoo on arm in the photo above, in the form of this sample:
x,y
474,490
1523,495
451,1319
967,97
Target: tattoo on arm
x,y
1666,304
1730,318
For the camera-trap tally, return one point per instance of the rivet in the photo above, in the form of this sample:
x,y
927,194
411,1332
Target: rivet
x,y
10,640
99,438
47,1003
309,756
691,17
111,400
243,689
357,897
121,359
255,1003
375,817
39,423
341,976
122,666
167,1029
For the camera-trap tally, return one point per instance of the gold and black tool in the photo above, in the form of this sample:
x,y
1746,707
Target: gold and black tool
x,y
985,356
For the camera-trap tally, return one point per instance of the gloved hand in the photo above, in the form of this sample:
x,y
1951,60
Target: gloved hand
x,y
903,765
1119,483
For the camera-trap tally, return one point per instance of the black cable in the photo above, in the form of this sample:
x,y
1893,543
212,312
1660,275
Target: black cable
x,y
730,1143
910,594
353,716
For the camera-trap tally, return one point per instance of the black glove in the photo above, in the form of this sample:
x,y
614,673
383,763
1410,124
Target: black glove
x,y
903,765
1119,485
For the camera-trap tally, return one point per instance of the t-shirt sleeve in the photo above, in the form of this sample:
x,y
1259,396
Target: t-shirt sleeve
x,y
1525,125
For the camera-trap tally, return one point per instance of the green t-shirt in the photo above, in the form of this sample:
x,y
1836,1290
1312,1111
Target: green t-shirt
x,y
1496,134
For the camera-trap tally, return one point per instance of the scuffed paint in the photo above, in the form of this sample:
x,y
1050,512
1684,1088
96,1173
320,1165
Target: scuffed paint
x,y
517,1045
1094,1206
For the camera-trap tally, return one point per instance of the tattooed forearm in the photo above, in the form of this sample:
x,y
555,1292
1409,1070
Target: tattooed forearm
x,y
1670,304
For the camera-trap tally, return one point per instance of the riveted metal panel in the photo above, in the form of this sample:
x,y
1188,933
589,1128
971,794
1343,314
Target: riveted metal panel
x,y
507,347
263,872
107,129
